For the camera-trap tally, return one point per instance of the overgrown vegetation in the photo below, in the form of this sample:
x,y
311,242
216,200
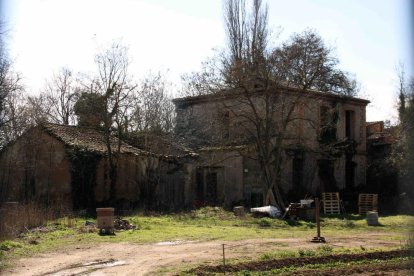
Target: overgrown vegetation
x,y
83,176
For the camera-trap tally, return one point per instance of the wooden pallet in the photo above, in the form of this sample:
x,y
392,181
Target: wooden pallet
x,y
367,203
331,203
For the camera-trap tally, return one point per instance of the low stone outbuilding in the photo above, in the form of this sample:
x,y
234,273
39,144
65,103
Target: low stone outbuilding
x,y
67,166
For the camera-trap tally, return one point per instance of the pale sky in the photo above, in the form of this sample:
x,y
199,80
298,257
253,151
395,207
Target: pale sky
x,y
370,37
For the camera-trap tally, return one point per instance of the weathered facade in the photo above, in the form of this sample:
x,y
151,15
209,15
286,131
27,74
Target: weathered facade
x,y
324,146
67,165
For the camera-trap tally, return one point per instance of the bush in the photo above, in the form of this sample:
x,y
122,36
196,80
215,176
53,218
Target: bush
x,y
265,222
325,249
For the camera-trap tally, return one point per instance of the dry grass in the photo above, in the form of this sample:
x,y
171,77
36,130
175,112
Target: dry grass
x,y
18,218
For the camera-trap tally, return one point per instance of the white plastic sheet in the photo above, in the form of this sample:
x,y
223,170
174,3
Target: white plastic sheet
x,y
271,211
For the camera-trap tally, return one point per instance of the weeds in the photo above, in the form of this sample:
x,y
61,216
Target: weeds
x,y
306,253
325,249
18,218
278,254
349,224
265,222
408,243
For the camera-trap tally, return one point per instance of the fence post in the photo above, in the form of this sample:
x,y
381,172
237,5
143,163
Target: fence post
x,y
224,256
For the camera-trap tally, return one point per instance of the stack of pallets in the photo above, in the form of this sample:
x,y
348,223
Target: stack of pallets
x,y
367,203
331,203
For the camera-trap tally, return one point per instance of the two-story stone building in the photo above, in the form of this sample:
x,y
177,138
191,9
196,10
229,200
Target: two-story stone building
x,y
324,142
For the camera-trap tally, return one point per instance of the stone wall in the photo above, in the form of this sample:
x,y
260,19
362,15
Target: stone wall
x,y
35,167
217,122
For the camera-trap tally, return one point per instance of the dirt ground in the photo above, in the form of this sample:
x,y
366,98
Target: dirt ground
x,y
166,257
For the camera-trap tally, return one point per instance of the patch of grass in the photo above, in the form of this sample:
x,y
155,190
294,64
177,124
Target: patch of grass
x,y
265,222
210,223
7,245
278,255
325,249
306,253
322,250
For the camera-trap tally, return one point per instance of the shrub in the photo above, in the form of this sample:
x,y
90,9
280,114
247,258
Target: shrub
x,y
325,249
265,222
306,253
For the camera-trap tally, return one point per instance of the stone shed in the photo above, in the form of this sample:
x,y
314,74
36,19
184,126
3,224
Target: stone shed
x,y
67,166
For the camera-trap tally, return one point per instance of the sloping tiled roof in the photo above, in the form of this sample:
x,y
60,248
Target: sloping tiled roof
x,y
162,145
88,138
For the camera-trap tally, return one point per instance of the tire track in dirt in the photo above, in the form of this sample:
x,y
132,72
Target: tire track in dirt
x,y
141,259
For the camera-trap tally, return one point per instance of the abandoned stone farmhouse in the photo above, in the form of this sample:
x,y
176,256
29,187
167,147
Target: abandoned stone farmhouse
x,y
324,144
209,161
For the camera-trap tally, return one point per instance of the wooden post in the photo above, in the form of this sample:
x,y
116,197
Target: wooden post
x,y
224,256
318,237
318,220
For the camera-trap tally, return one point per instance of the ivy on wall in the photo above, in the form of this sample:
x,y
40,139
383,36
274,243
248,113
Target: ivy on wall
x,y
83,171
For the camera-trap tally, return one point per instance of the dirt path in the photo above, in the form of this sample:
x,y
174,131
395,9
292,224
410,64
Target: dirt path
x,y
142,259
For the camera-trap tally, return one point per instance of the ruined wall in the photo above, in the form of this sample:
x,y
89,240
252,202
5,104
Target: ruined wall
x,y
144,182
201,124
35,168
227,166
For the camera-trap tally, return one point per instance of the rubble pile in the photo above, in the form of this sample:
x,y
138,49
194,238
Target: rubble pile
x,y
123,224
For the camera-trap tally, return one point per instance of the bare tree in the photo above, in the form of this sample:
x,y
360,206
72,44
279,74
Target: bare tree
x,y
114,85
153,110
304,61
60,94
10,92
402,155
258,79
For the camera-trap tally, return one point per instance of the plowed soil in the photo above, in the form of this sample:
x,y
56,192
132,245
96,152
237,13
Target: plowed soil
x,y
299,262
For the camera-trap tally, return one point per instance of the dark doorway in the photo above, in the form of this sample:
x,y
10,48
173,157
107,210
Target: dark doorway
x,y
256,198
297,173
349,172
327,125
208,181
326,175
211,187
200,184
350,124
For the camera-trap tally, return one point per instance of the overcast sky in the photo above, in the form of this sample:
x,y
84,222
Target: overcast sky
x,y
370,36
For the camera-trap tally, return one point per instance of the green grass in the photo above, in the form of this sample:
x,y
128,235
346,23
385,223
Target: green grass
x,y
204,224
322,250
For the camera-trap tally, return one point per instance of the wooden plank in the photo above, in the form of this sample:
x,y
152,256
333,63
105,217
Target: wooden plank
x,y
331,203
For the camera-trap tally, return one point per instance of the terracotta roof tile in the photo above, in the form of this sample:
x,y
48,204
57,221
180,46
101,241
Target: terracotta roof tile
x,y
88,139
